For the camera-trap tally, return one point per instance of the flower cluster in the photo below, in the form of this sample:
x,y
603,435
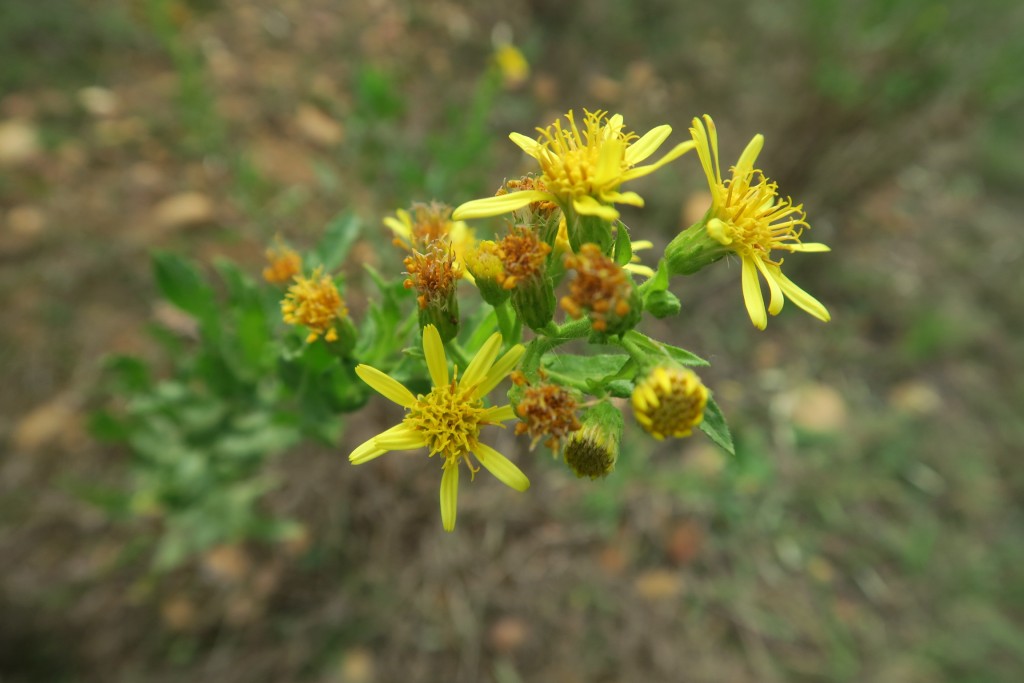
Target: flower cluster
x,y
561,240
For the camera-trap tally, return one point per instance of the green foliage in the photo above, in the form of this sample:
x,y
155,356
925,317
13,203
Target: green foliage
x,y
202,437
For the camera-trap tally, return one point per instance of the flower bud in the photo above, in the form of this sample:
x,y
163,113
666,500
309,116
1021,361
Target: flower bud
x,y
662,303
435,275
593,450
669,401
692,249
484,262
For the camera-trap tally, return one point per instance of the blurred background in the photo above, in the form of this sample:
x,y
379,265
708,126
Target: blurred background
x,y
869,527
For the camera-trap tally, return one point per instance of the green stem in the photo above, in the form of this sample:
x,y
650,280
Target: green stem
x,y
509,324
458,353
565,380
553,336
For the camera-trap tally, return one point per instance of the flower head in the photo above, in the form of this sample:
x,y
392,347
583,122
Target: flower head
x,y
546,411
434,275
316,303
603,288
424,224
749,218
669,401
582,170
593,450
523,256
283,263
447,421
512,64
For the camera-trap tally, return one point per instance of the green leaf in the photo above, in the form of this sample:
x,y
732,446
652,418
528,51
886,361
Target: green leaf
x,y
623,248
254,338
482,332
620,388
339,236
182,284
129,374
106,427
715,426
661,349
659,283
589,369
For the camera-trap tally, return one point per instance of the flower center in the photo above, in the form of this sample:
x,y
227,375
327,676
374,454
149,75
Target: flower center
x,y
449,419
571,160
753,219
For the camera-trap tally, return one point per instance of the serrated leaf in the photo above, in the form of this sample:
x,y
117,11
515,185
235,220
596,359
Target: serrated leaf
x,y
715,426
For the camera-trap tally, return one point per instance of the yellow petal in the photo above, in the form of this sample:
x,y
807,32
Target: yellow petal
x,y
802,298
638,269
365,452
433,351
637,245
499,205
482,362
370,449
401,226
449,495
400,438
746,163
752,295
776,300
385,385
501,467
807,247
647,145
498,414
609,163
588,206
631,198
500,370
528,145
676,152
705,137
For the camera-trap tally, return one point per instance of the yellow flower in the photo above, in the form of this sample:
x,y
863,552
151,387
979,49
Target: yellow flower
x,y
316,303
582,170
428,223
669,401
283,263
447,421
748,217
512,64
